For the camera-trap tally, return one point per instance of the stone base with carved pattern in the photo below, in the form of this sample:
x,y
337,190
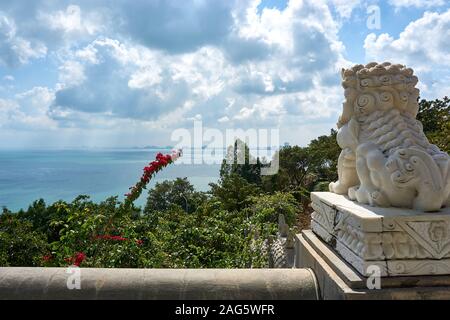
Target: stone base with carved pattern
x,y
402,242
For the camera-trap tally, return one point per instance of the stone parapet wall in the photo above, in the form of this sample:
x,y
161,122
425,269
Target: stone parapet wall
x,y
195,284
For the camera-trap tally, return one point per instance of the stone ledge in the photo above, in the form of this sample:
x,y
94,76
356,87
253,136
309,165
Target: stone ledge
x,y
170,284
401,241
339,280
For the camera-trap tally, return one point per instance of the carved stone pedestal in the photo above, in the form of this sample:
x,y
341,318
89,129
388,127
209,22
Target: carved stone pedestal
x,y
338,280
401,242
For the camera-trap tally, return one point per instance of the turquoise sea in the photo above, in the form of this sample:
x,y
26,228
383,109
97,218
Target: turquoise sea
x,y
28,175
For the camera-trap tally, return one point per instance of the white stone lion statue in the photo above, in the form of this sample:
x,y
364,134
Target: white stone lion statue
x,y
386,159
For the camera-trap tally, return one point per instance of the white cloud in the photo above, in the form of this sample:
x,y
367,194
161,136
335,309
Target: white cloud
x,y
28,111
71,21
8,108
71,73
145,77
346,7
88,54
423,42
35,101
423,45
416,3
15,50
223,119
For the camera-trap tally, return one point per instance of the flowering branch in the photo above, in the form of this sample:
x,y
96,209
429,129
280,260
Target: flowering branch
x,y
155,166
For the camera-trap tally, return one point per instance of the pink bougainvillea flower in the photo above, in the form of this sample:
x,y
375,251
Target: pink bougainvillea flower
x,y
79,258
76,259
153,167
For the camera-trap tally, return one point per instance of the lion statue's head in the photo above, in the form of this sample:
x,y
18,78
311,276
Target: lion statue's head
x,y
377,86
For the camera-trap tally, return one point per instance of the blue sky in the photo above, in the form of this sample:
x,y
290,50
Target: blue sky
x,y
128,73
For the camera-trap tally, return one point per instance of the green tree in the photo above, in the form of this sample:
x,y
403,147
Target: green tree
x,y
324,152
20,244
40,215
179,192
233,192
435,118
305,169
302,169
264,211
293,173
239,161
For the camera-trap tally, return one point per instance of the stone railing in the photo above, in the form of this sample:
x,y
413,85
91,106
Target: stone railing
x,y
61,283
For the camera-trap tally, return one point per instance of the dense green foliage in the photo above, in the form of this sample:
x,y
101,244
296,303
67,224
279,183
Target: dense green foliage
x,y
184,228
435,117
169,194
20,244
303,170
112,236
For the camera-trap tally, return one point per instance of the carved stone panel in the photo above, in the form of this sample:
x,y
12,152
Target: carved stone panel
x,y
404,241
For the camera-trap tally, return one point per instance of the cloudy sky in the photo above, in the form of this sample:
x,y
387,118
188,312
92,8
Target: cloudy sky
x,y
127,73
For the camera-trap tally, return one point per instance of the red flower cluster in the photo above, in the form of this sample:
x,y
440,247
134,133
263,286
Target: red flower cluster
x,y
77,259
153,167
47,258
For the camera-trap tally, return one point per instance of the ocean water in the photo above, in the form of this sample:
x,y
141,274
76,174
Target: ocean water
x,y
52,175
